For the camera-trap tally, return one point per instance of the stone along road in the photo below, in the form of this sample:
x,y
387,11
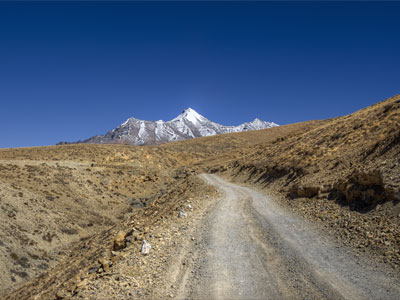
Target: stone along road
x,y
250,248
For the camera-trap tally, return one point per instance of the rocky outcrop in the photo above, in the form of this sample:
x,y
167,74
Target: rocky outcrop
x,y
300,191
121,240
361,191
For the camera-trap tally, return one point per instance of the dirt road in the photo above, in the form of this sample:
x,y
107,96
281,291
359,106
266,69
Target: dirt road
x,y
250,248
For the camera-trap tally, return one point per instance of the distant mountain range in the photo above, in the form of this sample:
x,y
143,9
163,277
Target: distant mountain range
x,y
189,124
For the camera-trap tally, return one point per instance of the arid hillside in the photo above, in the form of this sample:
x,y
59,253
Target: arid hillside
x,y
62,206
345,173
354,159
51,197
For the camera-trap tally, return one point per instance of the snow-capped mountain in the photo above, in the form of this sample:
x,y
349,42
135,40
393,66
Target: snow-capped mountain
x,y
189,124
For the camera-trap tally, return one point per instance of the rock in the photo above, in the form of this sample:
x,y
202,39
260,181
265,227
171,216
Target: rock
x,y
369,179
106,267
120,240
93,269
145,247
105,264
303,191
81,284
362,191
135,203
182,214
325,188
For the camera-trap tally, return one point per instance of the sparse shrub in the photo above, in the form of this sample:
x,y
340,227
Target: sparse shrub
x,y
70,231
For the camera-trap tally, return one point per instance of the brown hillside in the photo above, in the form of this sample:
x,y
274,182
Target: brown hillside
x,y
344,173
62,206
353,159
51,197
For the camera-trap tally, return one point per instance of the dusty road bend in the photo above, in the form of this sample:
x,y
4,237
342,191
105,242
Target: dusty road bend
x,y
251,248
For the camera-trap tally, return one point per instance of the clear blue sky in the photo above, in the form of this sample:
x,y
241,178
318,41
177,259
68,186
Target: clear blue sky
x,y
72,70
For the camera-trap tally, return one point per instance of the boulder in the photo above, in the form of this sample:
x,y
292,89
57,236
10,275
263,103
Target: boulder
x,y
300,191
362,190
120,241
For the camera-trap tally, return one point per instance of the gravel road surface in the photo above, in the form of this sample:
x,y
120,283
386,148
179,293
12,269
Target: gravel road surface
x,y
248,247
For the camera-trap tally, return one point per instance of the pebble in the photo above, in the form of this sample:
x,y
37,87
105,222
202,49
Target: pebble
x,y
182,214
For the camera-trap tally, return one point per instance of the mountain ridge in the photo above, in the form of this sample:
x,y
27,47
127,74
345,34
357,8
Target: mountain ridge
x,y
187,125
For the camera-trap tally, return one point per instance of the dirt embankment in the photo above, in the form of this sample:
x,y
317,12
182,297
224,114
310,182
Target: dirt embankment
x,y
344,173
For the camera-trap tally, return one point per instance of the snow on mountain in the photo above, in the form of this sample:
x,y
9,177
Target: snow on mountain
x,y
190,115
189,124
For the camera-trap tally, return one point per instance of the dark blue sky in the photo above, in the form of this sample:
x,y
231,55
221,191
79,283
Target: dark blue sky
x,y
72,70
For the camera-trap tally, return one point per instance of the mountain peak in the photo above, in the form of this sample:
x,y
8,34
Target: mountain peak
x,y
189,109
190,115
256,120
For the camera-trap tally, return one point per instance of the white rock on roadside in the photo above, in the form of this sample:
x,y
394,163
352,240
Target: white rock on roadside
x,y
145,247
182,214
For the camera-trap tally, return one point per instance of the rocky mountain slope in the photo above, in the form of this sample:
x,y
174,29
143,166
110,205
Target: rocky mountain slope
x,y
189,124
